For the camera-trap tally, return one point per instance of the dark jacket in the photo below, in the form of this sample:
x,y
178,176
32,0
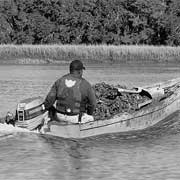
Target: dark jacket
x,y
87,100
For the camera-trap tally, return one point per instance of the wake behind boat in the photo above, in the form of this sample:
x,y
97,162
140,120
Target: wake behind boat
x,y
159,101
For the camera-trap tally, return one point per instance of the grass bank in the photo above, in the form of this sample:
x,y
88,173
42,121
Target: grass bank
x,y
54,54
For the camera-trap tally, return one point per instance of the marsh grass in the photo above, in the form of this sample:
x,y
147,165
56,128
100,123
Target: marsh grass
x,y
39,54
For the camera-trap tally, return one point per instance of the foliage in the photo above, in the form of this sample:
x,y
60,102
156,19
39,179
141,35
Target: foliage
x,y
153,22
58,54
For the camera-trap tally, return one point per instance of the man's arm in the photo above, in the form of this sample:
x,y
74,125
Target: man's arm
x,y
92,101
51,97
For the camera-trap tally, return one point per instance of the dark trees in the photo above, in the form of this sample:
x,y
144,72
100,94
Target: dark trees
x,y
153,22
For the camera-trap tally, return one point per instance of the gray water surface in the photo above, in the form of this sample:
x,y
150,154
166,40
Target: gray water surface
x,y
151,154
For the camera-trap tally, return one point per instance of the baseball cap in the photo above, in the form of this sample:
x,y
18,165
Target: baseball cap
x,y
76,65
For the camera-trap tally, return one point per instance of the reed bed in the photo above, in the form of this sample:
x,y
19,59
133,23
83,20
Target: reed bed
x,y
39,54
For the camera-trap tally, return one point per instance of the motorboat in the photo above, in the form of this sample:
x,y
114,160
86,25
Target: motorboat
x,y
163,100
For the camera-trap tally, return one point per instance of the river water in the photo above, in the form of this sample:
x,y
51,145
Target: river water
x,y
151,154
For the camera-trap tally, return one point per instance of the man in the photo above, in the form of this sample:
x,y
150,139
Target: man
x,y
74,97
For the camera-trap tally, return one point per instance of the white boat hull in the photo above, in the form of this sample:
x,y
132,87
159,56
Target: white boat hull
x,y
138,120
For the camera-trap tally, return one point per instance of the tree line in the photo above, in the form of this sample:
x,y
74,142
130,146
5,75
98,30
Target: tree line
x,y
117,22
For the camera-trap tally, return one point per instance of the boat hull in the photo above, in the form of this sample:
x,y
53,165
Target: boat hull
x,y
124,122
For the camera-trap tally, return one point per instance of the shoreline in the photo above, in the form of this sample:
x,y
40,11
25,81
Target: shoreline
x,y
37,62
90,54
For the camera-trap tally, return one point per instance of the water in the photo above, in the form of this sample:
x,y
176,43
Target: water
x,y
151,154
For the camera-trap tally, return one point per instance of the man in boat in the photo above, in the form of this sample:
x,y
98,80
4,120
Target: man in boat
x,y
74,97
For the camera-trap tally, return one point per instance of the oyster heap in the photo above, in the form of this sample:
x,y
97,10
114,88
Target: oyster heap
x,y
111,102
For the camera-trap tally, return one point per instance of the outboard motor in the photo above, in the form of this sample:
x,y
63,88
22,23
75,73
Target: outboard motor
x,y
30,113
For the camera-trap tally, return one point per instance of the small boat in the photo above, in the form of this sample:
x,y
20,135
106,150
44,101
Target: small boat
x,y
148,114
162,103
